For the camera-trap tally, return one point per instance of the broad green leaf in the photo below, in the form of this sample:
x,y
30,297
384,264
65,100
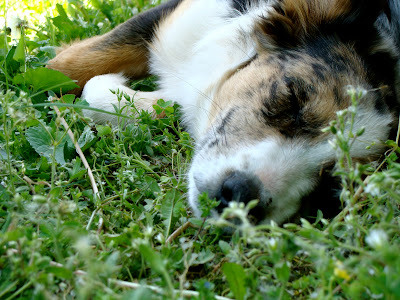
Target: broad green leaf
x,y
43,79
4,194
60,272
104,7
139,294
19,54
3,41
61,11
63,23
12,65
51,50
103,130
153,259
235,275
69,98
170,209
282,270
225,247
3,154
13,235
86,138
203,257
151,182
77,171
40,140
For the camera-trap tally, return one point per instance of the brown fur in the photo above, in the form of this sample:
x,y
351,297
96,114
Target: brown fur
x,y
262,91
294,21
83,60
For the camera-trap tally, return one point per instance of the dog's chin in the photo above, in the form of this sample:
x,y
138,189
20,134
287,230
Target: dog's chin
x,y
325,198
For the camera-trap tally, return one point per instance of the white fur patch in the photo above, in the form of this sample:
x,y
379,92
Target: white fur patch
x,y
194,52
97,92
286,179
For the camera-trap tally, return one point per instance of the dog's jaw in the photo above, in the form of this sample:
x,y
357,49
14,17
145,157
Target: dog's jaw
x,y
283,179
286,170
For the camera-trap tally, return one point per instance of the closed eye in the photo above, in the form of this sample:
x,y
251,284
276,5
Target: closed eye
x,y
295,109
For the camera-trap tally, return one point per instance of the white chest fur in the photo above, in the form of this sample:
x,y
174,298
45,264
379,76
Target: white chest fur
x,y
194,48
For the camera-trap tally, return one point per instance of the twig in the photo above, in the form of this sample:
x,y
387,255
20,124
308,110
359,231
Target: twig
x,y
339,287
97,210
100,226
179,231
31,183
183,293
85,163
77,272
20,290
200,229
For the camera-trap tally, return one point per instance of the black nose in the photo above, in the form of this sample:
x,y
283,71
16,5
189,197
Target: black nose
x,y
238,187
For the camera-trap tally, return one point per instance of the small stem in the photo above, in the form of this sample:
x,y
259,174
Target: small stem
x,y
7,289
5,42
53,163
281,293
6,135
398,132
28,284
178,232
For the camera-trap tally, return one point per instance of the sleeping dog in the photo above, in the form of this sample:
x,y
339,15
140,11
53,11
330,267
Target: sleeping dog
x,y
257,81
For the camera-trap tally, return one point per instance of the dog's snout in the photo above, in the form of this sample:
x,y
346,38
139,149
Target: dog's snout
x,y
237,187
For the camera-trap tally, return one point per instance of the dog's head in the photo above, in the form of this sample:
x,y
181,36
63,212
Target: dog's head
x,y
265,138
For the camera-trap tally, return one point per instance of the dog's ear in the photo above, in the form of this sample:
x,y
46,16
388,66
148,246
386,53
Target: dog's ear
x,y
293,22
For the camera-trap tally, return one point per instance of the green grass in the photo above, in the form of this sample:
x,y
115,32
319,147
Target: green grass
x,y
62,238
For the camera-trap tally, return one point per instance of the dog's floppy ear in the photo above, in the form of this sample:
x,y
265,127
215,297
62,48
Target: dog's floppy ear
x,y
292,22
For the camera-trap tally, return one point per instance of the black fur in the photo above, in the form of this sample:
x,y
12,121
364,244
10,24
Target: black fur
x,y
141,28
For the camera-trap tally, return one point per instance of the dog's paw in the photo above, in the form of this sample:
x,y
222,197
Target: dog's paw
x,y
108,92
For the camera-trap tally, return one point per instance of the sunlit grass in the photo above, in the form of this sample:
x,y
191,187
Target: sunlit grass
x,y
31,14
